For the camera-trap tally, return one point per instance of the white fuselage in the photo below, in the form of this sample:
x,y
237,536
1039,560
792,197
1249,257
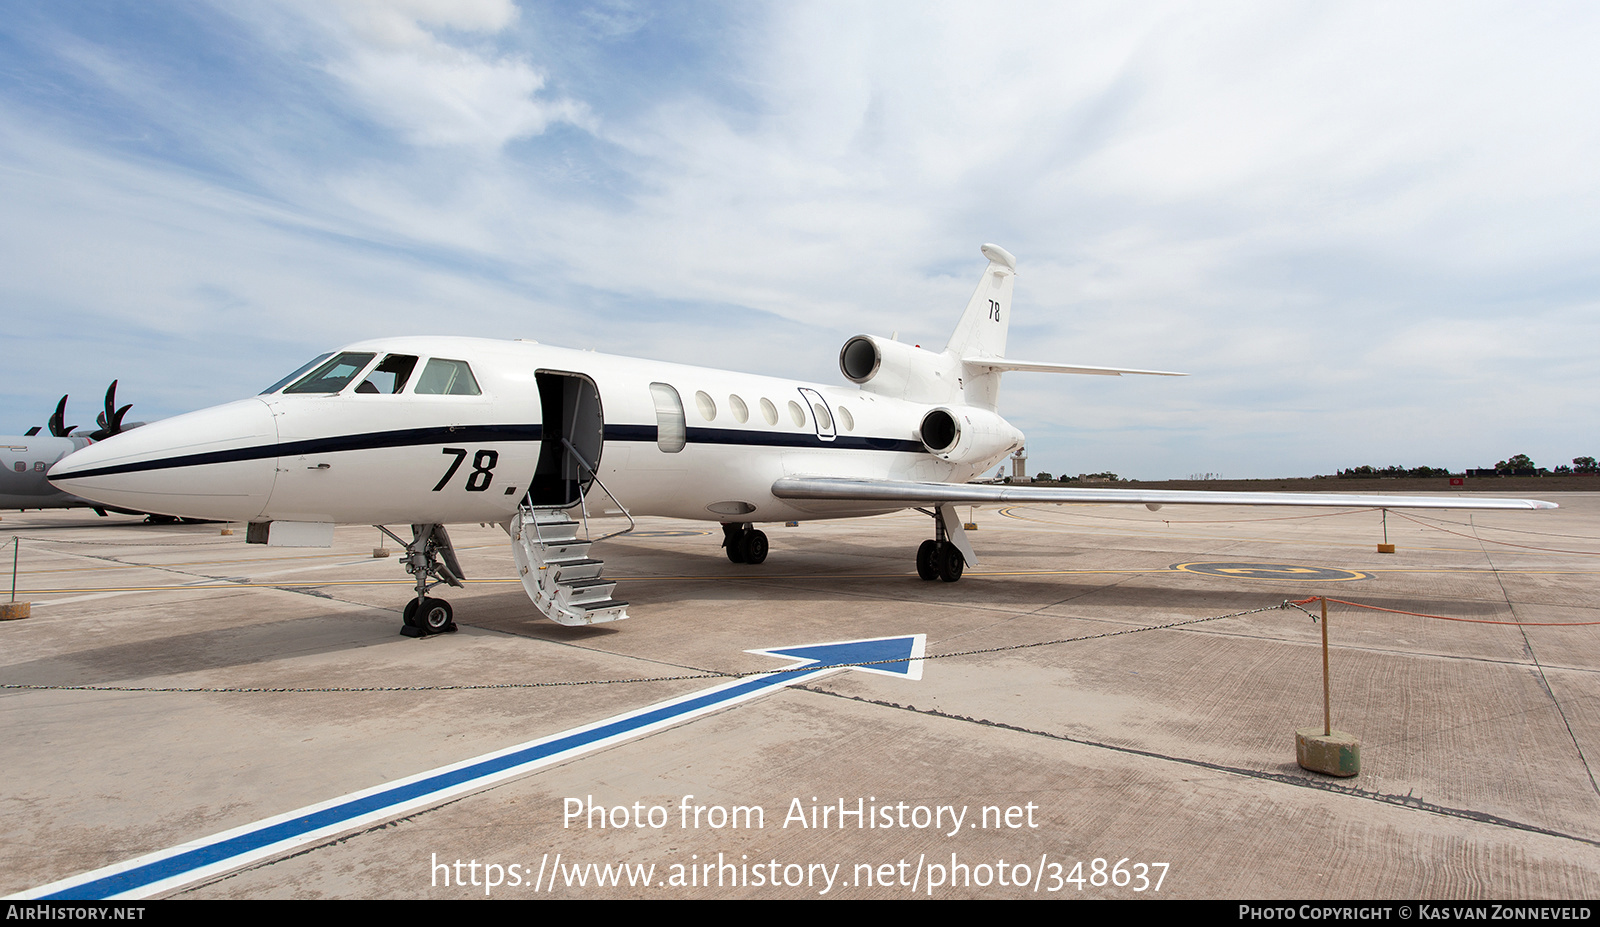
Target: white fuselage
x,y
408,457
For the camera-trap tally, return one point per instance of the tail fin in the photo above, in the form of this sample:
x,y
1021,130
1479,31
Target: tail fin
x,y
982,329
981,333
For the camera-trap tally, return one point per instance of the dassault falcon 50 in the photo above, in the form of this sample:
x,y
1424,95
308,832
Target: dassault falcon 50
x,y
431,431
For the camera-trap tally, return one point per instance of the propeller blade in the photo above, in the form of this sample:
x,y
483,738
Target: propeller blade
x,y
111,419
58,426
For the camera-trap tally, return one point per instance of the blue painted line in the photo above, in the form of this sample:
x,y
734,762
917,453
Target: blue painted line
x,y
170,868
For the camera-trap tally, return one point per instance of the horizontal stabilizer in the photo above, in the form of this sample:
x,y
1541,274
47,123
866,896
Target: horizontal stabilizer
x,y
1002,364
908,493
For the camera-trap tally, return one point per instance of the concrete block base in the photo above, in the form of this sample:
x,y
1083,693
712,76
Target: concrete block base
x,y
1336,754
11,611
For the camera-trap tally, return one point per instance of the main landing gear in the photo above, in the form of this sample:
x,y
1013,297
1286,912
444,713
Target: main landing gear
x,y
744,543
940,558
432,560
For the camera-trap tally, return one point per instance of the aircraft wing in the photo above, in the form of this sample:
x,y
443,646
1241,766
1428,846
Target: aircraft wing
x,y
1002,364
906,492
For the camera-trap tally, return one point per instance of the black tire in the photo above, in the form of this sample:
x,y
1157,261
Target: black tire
x,y
927,560
409,616
734,544
951,563
755,547
436,616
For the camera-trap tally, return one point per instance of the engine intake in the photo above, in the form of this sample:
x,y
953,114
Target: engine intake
x,y
940,431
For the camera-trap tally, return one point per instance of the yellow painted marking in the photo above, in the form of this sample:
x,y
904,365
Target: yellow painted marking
x,y
1274,571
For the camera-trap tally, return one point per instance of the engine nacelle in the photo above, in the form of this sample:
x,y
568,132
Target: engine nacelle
x,y
901,371
967,436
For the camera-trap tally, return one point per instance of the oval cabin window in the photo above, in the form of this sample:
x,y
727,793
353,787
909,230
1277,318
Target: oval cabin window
x,y
706,405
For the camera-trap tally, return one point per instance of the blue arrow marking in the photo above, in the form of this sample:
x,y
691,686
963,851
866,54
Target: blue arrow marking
x,y
167,869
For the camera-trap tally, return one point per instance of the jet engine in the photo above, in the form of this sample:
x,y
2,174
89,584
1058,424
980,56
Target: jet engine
x,y
968,436
900,371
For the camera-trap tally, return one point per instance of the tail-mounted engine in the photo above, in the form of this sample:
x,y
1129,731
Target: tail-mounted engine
x,y
901,371
968,436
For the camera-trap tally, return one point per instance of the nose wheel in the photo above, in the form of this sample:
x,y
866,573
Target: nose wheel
x,y
744,543
429,615
431,558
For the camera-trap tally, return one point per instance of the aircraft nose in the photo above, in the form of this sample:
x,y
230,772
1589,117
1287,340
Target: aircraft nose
x,y
216,463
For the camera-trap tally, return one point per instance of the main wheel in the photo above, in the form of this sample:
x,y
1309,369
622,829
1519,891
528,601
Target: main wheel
x,y
436,616
409,616
951,563
755,547
735,547
927,565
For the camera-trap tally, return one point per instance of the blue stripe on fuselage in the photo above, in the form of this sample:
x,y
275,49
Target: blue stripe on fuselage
x,y
458,434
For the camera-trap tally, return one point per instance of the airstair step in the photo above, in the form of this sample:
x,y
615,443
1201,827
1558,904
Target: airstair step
x,y
585,583
563,551
598,606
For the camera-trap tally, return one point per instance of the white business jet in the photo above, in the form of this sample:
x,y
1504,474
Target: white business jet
x,y
430,431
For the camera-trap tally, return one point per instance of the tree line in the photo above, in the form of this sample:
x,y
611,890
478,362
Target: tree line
x,y
1516,465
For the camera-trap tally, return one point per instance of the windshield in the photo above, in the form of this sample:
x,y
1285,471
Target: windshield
x,y
297,371
333,375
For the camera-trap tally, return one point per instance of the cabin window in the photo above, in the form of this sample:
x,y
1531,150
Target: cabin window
x,y
447,378
297,372
706,405
671,429
846,419
769,411
38,466
390,376
741,412
797,414
334,375
824,421
21,466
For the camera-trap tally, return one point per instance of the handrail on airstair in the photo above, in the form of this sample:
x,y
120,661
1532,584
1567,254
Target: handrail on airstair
x,y
583,497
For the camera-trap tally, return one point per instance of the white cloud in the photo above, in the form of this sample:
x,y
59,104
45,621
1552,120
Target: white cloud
x,y
416,67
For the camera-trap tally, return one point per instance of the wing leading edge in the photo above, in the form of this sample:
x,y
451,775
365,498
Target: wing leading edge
x,y
908,493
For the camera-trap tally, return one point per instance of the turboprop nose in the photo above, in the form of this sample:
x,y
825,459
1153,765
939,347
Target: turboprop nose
x,y
216,463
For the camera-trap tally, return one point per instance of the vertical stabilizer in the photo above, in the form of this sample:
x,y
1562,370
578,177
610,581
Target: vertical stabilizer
x,y
982,330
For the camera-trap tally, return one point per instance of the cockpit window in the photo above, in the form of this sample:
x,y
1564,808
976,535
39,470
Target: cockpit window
x,y
334,375
297,372
447,378
390,375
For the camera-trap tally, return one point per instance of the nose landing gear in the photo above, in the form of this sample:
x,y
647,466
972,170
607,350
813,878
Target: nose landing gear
x,y
431,558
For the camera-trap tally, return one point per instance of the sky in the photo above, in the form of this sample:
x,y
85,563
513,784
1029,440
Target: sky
x,y
1370,232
